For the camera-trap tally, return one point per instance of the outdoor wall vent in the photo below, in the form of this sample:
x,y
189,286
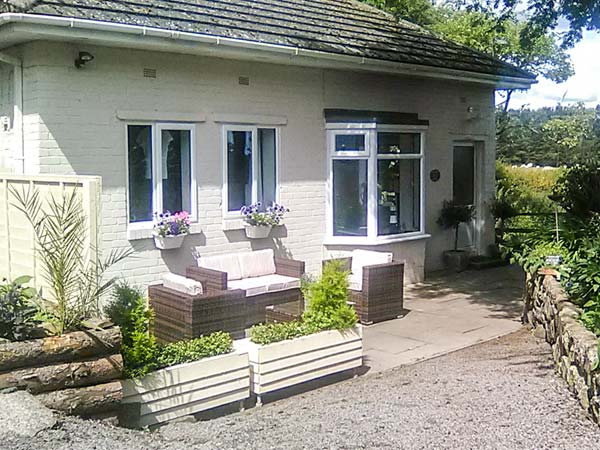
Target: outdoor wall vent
x,y
149,73
244,81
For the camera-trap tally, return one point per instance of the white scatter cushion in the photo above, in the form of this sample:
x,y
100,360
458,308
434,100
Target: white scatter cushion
x,y
252,286
256,263
362,258
355,282
182,284
223,263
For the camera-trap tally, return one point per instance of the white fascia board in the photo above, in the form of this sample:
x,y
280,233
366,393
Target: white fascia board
x,y
33,26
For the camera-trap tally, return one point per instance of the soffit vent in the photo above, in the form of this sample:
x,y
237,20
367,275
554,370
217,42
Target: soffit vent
x,y
149,73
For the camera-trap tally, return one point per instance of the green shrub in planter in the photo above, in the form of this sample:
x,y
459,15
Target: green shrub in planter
x,y
452,215
327,309
215,344
129,310
141,354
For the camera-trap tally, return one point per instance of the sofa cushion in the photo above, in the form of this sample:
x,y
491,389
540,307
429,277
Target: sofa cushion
x,y
252,286
362,258
257,263
355,282
182,284
264,284
223,263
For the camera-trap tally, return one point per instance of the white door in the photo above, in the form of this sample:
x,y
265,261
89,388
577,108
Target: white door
x,y
464,189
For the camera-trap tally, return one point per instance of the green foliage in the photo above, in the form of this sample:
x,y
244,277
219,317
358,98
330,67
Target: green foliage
x,y
17,309
452,215
532,255
327,309
327,300
60,228
578,189
129,310
548,136
276,332
421,12
141,353
193,350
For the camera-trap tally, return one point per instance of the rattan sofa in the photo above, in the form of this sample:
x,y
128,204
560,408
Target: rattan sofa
x,y
263,278
376,285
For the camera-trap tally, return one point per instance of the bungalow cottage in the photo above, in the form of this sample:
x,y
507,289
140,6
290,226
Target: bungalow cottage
x,y
361,125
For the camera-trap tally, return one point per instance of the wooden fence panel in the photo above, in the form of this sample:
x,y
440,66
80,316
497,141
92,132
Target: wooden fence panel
x,y
18,255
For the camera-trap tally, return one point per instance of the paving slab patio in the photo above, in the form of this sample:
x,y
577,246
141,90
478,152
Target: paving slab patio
x,y
445,313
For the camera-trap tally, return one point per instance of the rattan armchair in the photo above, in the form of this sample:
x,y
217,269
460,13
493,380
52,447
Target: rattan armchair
x,y
381,295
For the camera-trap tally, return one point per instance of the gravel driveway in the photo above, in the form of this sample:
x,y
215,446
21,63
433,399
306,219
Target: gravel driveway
x,y
498,395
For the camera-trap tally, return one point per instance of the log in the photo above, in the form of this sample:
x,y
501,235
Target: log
x,y
68,347
85,401
63,376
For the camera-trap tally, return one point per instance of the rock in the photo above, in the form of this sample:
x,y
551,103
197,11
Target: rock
x,y
539,332
22,414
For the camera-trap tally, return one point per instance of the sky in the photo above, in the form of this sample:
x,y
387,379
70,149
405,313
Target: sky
x,y
584,86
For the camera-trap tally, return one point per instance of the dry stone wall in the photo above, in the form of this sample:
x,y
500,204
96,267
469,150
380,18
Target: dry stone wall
x,y
574,348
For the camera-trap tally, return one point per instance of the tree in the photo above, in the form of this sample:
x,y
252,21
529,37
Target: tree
x,y
490,28
421,12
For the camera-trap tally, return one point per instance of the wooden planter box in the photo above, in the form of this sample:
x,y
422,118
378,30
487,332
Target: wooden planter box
x,y
185,389
287,363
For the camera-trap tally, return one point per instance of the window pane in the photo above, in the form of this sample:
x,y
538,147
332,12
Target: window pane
x,y
398,143
399,193
267,165
464,175
350,197
176,170
239,169
139,154
349,142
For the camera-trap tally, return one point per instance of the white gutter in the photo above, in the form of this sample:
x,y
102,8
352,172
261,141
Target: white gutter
x,y
130,34
19,136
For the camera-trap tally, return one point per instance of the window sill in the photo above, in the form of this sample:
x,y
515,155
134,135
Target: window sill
x,y
137,233
363,241
233,223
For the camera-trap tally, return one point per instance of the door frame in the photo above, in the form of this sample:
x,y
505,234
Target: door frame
x,y
478,203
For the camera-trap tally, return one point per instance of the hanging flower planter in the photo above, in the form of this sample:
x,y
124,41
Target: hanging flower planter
x,y
260,222
168,242
170,229
257,231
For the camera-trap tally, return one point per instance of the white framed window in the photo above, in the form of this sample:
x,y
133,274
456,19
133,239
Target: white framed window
x,y
376,192
250,158
160,168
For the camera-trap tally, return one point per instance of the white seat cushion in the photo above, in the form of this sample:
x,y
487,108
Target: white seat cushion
x,y
223,263
355,282
182,284
252,286
257,263
277,282
264,284
362,258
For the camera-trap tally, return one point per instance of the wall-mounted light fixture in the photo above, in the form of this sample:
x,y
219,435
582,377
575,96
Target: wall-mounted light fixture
x,y
83,58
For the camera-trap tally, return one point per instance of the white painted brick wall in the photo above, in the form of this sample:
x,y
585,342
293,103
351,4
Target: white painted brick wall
x,y
71,127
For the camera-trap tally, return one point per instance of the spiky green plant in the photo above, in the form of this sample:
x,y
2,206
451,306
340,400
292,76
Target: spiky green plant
x,y
75,277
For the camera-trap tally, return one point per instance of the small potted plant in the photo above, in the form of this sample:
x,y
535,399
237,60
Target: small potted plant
x,y
452,215
260,222
170,229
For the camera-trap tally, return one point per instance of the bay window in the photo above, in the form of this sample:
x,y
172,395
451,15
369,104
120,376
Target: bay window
x,y
375,181
250,167
160,161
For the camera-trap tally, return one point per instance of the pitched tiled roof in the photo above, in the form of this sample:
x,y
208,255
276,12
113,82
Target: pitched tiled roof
x,y
343,27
